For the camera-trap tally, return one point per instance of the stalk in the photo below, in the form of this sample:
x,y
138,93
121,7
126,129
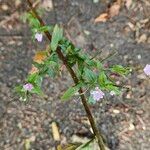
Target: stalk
x,y
96,132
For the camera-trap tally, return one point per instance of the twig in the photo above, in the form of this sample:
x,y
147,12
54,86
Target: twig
x,y
76,81
109,56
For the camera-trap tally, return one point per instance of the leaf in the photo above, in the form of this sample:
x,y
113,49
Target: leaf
x,y
128,3
27,144
89,75
120,70
114,10
102,79
45,28
72,146
40,57
102,18
77,146
70,92
85,146
37,90
34,23
47,4
31,78
56,37
34,79
111,87
55,131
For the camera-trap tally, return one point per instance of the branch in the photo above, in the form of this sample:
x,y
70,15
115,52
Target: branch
x,y
76,81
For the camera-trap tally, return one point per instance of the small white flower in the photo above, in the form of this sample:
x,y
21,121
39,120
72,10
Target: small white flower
x,y
39,37
97,94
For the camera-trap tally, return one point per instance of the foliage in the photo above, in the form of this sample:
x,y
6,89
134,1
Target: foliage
x,y
90,71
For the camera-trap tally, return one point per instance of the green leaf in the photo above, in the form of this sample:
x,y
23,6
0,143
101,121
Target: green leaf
x,y
120,70
34,23
106,84
45,28
56,37
85,146
35,79
111,87
70,92
18,89
102,79
32,77
37,90
89,75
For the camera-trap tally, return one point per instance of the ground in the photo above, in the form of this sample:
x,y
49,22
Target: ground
x,y
124,120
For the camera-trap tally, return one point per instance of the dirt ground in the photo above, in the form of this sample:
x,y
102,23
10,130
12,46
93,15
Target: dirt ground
x,y
124,120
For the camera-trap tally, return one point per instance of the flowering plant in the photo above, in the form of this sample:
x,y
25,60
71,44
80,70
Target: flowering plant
x,y
88,73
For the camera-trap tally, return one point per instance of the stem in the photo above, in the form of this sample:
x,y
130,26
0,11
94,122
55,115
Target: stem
x,y
97,133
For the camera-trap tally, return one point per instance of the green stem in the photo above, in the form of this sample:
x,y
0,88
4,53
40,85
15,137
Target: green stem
x,y
97,133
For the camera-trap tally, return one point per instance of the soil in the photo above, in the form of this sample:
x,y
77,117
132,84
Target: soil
x,y
124,120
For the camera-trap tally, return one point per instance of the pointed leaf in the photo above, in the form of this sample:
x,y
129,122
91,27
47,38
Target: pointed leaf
x,y
56,37
102,79
69,93
89,75
120,70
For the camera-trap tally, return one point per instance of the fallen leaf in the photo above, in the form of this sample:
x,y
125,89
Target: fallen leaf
x,y
17,3
131,127
4,7
102,18
142,38
128,3
47,4
27,144
132,26
40,56
114,10
116,111
55,131
33,70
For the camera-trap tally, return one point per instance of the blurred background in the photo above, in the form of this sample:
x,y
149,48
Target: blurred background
x,y
94,25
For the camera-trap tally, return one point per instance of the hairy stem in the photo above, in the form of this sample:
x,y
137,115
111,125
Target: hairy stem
x,y
76,81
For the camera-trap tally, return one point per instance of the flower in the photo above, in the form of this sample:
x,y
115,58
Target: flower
x,y
147,69
97,94
28,87
39,37
112,93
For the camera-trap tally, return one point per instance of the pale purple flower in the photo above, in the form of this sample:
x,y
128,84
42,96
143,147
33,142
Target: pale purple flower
x,y
112,93
28,87
147,69
39,37
97,94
